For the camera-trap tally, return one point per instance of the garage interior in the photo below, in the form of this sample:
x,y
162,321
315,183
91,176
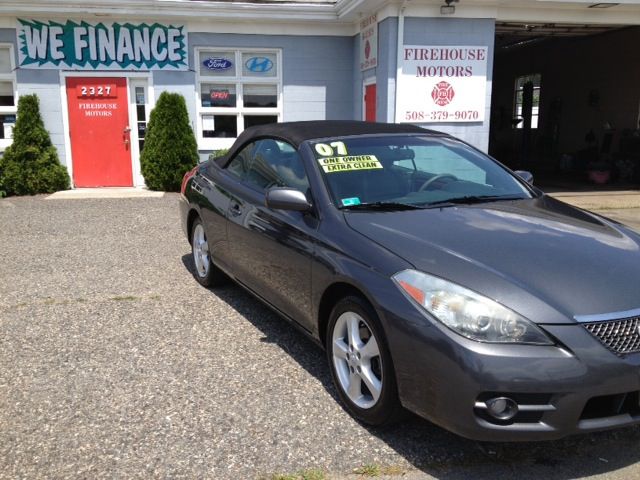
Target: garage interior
x,y
566,103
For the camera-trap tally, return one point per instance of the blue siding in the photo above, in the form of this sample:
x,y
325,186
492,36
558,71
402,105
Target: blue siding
x,y
183,83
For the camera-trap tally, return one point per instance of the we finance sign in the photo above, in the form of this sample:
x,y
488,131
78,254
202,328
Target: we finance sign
x,y
101,46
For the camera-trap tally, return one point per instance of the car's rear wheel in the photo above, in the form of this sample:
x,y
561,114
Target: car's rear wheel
x,y
360,363
206,272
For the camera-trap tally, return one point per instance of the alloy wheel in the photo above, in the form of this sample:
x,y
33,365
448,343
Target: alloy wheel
x,y
357,360
200,251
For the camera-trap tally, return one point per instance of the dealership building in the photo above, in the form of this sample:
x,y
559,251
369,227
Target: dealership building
x,y
537,83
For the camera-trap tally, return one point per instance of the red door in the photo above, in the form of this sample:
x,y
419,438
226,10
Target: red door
x,y
370,102
99,130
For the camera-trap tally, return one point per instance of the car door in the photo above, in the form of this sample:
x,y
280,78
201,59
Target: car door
x,y
209,193
271,250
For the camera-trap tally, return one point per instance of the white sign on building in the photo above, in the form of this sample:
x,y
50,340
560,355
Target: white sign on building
x,y
442,84
369,42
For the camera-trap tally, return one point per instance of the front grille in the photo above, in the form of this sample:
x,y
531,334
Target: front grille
x,y
619,336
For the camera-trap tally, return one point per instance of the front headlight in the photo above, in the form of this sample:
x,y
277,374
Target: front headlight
x,y
468,313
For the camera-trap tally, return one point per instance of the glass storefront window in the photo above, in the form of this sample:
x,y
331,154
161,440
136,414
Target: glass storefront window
x,y
7,122
5,60
237,89
219,126
6,94
8,100
217,64
217,95
259,64
261,96
253,120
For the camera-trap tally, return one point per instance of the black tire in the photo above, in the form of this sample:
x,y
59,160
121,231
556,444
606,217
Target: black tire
x,y
206,273
386,409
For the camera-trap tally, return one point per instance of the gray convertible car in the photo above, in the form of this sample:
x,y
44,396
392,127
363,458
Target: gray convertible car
x,y
436,279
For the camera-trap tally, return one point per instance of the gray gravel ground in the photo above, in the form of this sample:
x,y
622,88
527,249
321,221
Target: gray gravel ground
x,y
115,363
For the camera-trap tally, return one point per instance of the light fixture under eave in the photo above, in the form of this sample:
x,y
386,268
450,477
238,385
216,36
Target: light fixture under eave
x,y
603,5
448,9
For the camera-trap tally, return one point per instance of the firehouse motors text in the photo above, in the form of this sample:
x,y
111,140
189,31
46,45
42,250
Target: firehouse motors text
x,y
437,55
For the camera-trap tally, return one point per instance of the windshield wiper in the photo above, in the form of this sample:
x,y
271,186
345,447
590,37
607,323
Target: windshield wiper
x,y
383,206
471,199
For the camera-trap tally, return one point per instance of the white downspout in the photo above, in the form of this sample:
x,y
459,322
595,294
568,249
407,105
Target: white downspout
x,y
399,53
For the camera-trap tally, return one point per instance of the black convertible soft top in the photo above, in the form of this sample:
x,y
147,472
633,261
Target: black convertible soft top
x,y
297,132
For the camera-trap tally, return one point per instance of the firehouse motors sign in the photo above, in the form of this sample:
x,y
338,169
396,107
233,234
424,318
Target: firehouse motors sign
x,y
369,42
103,46
442,84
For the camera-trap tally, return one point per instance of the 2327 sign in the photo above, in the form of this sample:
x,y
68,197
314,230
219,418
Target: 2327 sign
x,y
97,91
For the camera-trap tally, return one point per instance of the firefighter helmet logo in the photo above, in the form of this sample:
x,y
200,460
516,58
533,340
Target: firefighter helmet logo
x,y
442,94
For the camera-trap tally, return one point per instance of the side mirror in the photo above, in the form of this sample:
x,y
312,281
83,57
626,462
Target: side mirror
x,y
286,199
525,175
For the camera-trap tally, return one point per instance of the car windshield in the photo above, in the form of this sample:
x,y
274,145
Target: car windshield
x,y
411,171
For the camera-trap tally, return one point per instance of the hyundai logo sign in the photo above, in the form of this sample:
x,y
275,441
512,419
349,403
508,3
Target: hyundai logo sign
x,y
217,63
259,64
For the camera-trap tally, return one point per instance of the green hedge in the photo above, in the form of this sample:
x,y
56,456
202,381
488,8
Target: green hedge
x,y
30,164
170,148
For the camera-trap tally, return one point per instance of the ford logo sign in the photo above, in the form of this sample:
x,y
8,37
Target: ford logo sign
x,y
259,64
217,63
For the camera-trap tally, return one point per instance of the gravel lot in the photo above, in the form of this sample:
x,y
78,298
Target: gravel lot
x,y
115,363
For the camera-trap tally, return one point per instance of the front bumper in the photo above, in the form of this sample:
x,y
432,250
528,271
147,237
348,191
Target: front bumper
x,y
577,387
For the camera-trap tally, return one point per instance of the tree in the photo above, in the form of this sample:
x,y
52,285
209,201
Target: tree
x,y
170,148
30,164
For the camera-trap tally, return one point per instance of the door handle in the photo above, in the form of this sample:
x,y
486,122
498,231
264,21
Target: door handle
x,y
235,209
196,186
126,137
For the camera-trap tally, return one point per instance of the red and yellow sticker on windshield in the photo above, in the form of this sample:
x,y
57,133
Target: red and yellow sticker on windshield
x,y
349,163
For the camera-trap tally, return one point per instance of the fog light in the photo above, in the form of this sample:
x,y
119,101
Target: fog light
x,y
502,408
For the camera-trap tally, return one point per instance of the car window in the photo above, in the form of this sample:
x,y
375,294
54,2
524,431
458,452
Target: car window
x,y
276,163
239,165
412,169
439,159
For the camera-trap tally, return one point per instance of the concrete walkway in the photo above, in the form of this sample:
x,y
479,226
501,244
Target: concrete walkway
x,y
622,206
112,192
601,200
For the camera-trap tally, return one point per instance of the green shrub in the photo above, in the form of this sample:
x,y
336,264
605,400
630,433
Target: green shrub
x,y
170,148
30,164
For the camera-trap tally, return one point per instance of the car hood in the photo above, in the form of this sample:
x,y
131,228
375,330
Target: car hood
x,y
540,257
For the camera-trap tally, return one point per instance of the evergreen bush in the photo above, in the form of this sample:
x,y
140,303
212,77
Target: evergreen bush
x,y
30,164
170,148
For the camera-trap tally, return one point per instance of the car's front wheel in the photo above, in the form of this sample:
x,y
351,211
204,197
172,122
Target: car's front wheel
x,y
206,272
361,364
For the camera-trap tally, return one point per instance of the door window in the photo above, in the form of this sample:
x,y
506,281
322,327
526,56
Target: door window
x,y
239,166
270,163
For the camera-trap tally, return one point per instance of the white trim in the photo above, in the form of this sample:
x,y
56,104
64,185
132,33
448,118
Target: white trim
x,y
238,81
138,179
372,80
9,77
64,74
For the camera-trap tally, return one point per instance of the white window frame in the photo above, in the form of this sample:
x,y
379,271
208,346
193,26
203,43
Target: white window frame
x,y
238,81
11,77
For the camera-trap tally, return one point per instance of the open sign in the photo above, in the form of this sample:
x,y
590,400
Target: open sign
x,y
220,94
